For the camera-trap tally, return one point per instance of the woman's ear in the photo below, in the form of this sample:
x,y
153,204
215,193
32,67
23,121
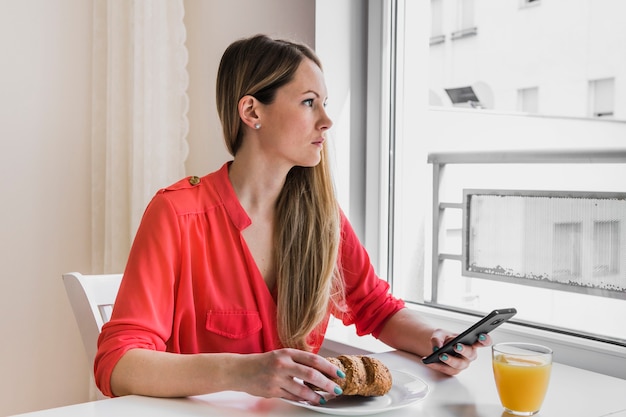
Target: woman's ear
x,y
248,106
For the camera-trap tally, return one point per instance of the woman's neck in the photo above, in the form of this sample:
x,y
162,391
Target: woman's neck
x,y
257,183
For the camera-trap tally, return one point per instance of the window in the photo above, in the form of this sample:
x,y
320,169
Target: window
x,y
607,247
512,49
464,19
566,252
436,22
528,100
601,97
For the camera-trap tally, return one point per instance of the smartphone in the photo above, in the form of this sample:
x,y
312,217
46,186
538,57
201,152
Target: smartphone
x,y
470,336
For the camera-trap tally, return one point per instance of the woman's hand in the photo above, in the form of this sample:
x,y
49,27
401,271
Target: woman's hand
x,y
464,354
406,331
280,373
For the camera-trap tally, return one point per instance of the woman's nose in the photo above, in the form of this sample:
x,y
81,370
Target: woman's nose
x,y
326,122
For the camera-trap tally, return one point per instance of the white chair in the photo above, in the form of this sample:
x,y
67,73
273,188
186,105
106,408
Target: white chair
x,y
92,298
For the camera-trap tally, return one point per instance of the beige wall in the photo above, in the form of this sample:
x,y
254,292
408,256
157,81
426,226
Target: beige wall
x,y
45,87
45,75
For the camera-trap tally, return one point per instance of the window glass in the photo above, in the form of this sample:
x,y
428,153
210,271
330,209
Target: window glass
x,y
465,14
601,99
436,22
528,100
606,246
508,77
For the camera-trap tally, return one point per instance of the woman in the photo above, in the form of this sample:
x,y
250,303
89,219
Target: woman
x,y
232,277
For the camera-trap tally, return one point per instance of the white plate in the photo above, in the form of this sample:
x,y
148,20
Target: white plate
x,y
406,389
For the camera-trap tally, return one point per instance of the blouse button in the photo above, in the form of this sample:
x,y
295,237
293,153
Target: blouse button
x,y
194,180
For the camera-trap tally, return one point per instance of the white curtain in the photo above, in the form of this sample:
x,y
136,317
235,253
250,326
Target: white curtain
x,y
139,117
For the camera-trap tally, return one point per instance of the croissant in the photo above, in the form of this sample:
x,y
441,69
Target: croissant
x,y
365,376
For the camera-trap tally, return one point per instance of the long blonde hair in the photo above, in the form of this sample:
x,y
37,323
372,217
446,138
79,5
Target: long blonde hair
x,y
307,223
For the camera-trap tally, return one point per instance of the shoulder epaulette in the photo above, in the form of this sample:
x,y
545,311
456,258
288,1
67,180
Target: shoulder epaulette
x,y
188,182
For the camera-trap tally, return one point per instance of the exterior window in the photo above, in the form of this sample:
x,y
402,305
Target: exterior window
x,y
602,97
465,19
436,26
466,14
607,247
528,100
566,251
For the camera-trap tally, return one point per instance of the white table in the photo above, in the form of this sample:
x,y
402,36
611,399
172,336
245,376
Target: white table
x,y
572,393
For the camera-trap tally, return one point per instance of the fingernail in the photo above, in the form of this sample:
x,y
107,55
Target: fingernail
x,y
340,373
459,347
482,337
435,349
444,357
338,390
322,400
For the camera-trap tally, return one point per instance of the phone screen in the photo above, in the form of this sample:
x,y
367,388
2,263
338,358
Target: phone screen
x,y
470,336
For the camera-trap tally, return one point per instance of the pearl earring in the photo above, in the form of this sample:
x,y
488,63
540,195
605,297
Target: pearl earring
x,y
257,125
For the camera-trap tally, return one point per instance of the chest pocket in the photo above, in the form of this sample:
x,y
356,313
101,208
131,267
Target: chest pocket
x,y
233,324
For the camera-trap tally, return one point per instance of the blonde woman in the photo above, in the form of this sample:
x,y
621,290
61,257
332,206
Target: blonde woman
x,y
232,277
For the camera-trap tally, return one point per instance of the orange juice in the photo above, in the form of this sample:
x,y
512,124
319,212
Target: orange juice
x,y
521,377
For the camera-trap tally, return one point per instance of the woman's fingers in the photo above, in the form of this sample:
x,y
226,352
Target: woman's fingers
x,y
284,372
452,364
317,371
483,340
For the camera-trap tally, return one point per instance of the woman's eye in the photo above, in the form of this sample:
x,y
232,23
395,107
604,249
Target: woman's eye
x,y
308,102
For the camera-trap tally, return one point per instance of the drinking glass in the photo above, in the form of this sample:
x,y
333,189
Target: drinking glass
x,y
522,373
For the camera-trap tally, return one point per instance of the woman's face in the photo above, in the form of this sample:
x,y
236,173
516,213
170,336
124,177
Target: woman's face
x,y
294,125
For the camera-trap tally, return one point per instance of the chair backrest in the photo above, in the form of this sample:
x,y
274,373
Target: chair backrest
x,y
92,298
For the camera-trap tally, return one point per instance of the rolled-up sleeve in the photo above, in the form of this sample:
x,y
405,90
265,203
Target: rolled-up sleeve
x,y
368,302
142,317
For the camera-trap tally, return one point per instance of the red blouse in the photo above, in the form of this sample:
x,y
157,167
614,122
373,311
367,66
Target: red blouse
x,y
191,284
